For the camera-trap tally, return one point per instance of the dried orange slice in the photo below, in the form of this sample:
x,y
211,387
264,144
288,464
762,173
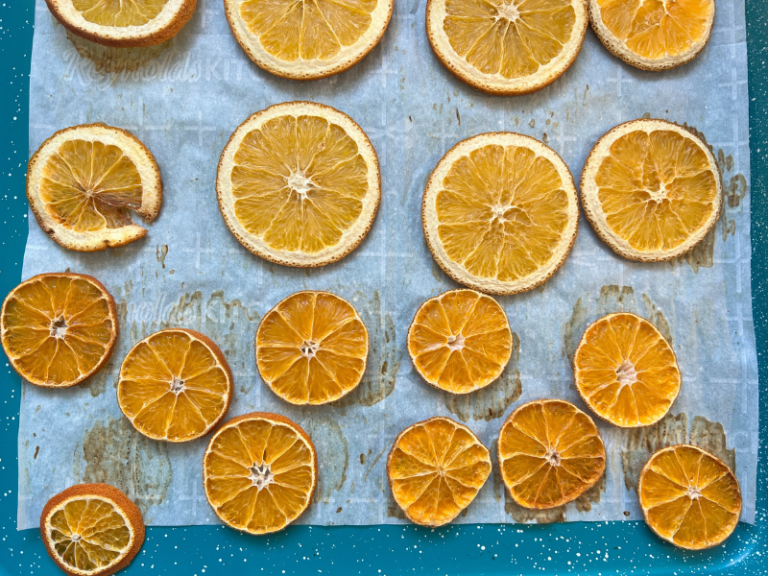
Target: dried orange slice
x,y
175,385
550,453
651,190
83,183
626,371
123,24
507,47
306,40
435,470
500,213
689,497
312,348
653,34
460,341
298,184
91,530
58,329
259,472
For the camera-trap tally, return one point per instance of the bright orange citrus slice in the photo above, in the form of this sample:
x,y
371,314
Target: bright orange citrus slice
x,y
435,470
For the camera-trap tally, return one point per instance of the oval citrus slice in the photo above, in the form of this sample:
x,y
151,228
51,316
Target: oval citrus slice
x,y
689,497
651,190
91,530
435,470
298,184
58,329
626,371
460,341
312,348
259,472
500,213
83,183
307,40
175,385
123,24
550,453
507,47
653,34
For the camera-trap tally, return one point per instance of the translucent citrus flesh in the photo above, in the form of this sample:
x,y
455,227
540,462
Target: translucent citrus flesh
x,y
436,470
172,387
460,341
58,329
550,453
502,212
311,349
88,534
657,28
513,38
656,189
119,13
307,29
690,497
90,186
259,475
627,371
299,183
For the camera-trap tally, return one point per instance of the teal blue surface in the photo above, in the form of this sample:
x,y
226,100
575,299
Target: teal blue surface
x,y
578,548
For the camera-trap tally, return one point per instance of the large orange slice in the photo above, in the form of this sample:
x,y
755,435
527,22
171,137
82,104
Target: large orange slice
x,y
312,348
550,453
259,472
435,470
689,497
626,371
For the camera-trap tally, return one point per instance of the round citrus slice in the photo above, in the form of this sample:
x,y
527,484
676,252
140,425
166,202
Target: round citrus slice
x,y
259,472
435,470
626,371
175,385
58,329
312,348
689,497
123,24
507,47
307,40
550,453
653,34
91,530
299,184
83,183
460,341
651,190
500,213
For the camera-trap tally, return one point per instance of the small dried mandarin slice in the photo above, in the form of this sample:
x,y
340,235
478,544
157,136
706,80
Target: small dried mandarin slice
x,y
435,470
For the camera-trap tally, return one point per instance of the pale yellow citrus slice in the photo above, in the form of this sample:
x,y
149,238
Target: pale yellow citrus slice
x,y
91,530
689,497
651,190
299,184
500,213
259,472
435,470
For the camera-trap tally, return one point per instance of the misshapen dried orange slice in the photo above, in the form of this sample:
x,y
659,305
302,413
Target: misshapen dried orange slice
x,y
651,190
175,385
550,453
435,470
91,530
460,341
689,497
259,472
626,371
312,348
58,329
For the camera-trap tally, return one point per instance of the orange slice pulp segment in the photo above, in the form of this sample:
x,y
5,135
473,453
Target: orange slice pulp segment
x,y
117,13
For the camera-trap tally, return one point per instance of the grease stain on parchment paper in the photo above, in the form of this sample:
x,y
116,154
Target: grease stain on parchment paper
x,y
109,60
332,455
160,253
113,452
